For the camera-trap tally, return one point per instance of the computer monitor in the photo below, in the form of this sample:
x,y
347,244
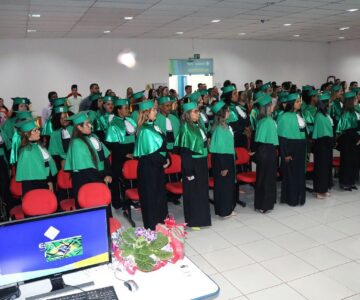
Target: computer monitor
x,y
48,246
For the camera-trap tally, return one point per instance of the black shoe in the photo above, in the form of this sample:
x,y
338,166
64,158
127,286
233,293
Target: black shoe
x,y
354,187
242,203
346,188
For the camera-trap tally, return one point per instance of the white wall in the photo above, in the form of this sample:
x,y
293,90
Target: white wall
x,y
31,68
345,60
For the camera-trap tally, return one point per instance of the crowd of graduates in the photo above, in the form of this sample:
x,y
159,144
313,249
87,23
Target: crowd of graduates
x,y
280,126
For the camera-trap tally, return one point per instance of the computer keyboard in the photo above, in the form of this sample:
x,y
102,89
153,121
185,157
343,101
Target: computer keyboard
x,y
106,293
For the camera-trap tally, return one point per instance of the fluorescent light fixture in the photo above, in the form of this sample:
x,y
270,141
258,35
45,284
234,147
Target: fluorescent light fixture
x,y
287,24
344,28
215,21
34,15
241,33
352,9
341,37
296,35
128,18
180,32
107,31
31,30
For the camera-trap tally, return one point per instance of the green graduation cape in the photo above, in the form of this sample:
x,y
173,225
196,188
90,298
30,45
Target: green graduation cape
x,y
31,164
348,120
5,144
47,128
105,120
336,109
135,116
309,116
148,140
222,140
253,117
190,138
79,157
116,132
322,126
175,123
277,114
9,128
266,132
288,127
55,145
15,146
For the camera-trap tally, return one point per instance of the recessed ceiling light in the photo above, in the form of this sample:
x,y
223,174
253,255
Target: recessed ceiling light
x,y
287,24
341,37
215,21
107,31
352,9
128,18
180,32
31,30
242,33
344,28
34,15
296,35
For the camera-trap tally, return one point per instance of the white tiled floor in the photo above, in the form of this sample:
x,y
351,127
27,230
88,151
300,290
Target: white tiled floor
x,y
292,253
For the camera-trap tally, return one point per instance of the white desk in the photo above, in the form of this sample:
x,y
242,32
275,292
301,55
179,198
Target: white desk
x,y
173,281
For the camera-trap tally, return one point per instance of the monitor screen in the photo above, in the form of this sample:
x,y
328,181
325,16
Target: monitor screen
x,y
59,243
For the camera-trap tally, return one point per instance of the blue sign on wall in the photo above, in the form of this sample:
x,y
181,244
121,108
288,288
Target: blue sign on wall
x,y
203,66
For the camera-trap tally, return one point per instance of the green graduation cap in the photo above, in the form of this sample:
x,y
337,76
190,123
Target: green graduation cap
x,y
78,118
108,98
356,90
21,100
173,99
217,106
189,106
263,100
194,97
26,125
147,104
23,114
121,102
163,100
265,86
313,93
306,88
349,95
61,109
95,97
324,97
58,102
258,94
292,97
138,95
209,90
228,89
203,92
336,88
282,95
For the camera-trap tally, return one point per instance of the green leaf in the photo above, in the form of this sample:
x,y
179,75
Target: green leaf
x,y
127,252
145,265
129,236
160,242
163,255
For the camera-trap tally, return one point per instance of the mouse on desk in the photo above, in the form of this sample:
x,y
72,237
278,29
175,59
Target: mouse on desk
x,y
131,285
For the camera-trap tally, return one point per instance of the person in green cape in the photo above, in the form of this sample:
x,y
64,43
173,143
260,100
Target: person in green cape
x,y
348,140
336,104
35,166
61,135
150,148
292,140
108,108
223,162
310,110
5,172
47,128
168,123
95,112
120,136
265,156
87,157
323,148
192,144
136,99
204,109
280,105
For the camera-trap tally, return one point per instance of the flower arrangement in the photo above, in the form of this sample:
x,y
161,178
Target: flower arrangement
x,y
143,249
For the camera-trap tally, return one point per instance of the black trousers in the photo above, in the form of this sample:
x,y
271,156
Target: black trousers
x,y
323,152
4,184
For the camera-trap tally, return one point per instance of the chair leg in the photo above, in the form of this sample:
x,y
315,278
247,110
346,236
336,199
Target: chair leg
x,y
242,203
127,213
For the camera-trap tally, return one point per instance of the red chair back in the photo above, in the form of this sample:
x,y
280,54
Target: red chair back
x,y
39,202
94,194
242,156
130,169
64,180
15,188
175,166
209,161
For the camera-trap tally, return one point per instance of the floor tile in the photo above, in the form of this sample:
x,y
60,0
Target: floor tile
x,y
299,222
251,278
203,264
347,275
320,287
227,290
208,242
322,257
227,259
241,235
263,250
280,292
295,241
346,226
219,225
325,216
349,247
271,229
289,267
323,234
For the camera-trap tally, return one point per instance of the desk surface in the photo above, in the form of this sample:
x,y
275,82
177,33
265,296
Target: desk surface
x,y
180,281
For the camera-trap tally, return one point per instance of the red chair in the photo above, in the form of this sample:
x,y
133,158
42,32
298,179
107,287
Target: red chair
x,y
211,179
16,192
309,167
15,188
39,202
174,168
336,162
243,158
130,173
97,194
64,183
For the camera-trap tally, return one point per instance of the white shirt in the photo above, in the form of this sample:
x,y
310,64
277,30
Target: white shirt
x,y
301,121
74,102
65,134
241,112
95,143
168,125
44,153
130,129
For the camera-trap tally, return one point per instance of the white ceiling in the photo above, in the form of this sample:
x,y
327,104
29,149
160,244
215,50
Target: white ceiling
x,y
313,20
